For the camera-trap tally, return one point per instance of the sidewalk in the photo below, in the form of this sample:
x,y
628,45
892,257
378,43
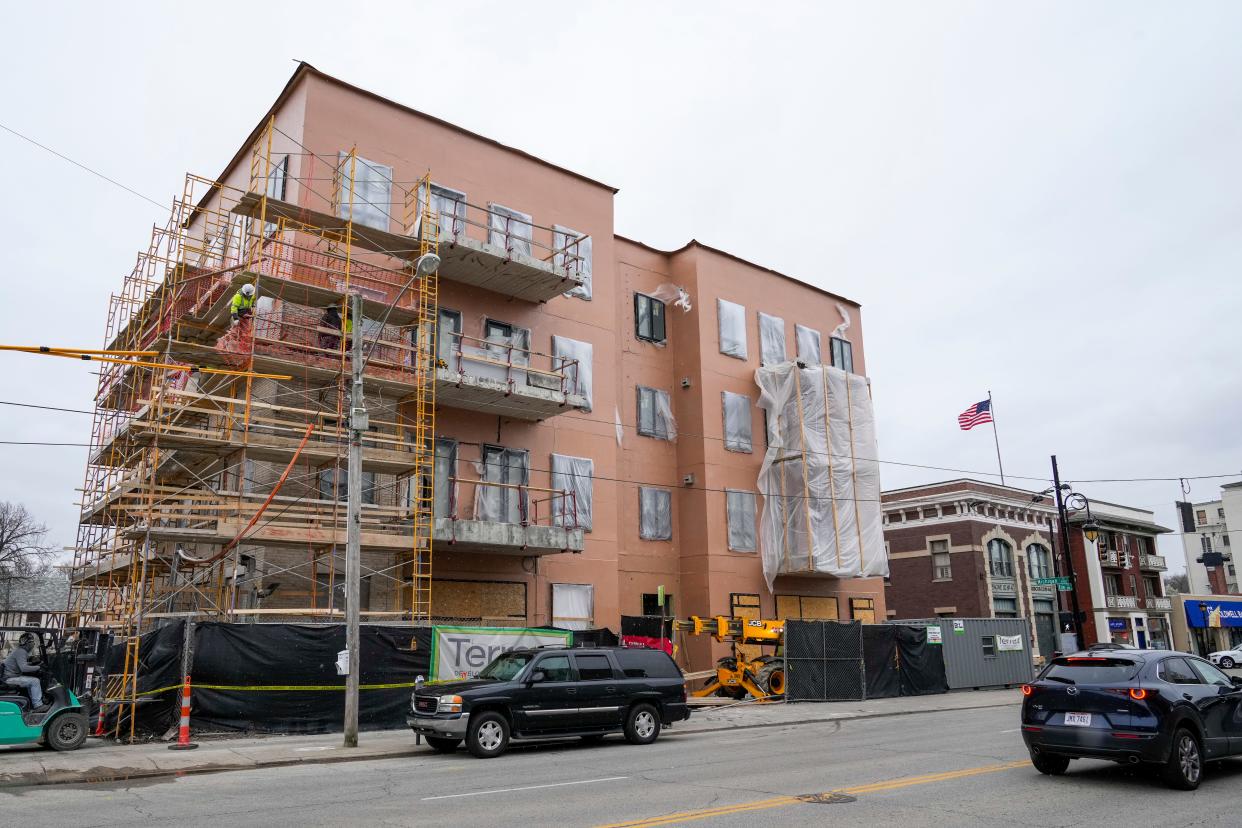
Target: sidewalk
x,y
103,761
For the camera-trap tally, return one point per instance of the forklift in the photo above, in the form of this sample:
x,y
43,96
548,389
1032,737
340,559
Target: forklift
x,y
64,725
738,676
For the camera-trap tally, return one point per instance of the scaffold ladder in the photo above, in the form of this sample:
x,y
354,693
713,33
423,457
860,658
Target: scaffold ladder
x,y
423,480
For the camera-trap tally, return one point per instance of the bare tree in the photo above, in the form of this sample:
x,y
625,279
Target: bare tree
x,y
1176,584
23,551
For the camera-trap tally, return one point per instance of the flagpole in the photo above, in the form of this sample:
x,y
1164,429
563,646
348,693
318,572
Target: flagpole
x,y
999,464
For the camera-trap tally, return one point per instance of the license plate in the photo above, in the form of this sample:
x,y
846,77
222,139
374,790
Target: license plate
x,y
1078,719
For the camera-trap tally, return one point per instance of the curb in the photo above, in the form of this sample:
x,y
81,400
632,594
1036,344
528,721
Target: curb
x,y
98,775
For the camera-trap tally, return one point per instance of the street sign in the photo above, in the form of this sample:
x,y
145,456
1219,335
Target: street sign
x,y
1060,582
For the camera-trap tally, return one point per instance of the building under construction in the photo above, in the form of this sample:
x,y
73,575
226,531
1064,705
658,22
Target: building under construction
x,y
561,420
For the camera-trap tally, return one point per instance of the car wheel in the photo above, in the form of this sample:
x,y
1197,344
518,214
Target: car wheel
x,y
1049,765
67,731
1227,662
642,725
443,744
488,735
1184,770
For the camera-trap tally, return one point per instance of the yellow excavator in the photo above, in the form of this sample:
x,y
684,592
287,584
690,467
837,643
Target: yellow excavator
x,y
737,675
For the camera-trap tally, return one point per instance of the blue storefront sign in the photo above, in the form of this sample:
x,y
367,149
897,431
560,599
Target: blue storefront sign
x,y
1118,624
1230,613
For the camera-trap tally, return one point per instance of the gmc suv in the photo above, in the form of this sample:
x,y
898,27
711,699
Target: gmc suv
x,y
552,693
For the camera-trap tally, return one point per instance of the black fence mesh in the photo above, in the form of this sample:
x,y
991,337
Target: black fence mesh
x,y
824,661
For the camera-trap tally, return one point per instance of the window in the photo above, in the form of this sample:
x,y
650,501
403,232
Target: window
x,y
505,502
737,421
1133,585
655,417
448,337
573,606
842,354
445,501
731,321
1000,558
593,667
572,477
771,339
372,192
1038,561
1206,543
573,252
648,318
1092,670
1224,539
1152,586
1201,516
507,342
942,568
1177,671
641,662
651,604
575,359
1112,584
740,508
277,179
1209,674
554,668
863,609
989,646
807,607
1220,513
330,489
509,229
655,513
449,207
807,341
1004,607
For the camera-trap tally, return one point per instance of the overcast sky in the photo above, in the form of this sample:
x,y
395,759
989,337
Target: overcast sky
x,y
1041,199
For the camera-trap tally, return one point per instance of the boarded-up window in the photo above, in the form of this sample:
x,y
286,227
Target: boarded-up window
x,y
863,609
807,607
492,603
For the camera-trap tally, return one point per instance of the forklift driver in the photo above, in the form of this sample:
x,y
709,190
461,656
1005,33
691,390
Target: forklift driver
x,y
18,671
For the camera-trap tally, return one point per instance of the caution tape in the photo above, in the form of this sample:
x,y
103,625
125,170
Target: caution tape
x,y
260,688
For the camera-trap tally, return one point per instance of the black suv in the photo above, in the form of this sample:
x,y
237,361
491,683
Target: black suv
x,y
552,693
1154,706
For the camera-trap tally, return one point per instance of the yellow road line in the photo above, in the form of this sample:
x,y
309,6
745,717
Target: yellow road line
x,y
782,801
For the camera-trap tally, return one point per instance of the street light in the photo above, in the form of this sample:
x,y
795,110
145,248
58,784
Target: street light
x,y
1091,530
1066,499
425,265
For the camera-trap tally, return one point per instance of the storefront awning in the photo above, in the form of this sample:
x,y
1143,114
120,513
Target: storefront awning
x,y
1228,612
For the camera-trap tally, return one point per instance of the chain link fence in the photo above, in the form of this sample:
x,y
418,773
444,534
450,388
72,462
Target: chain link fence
x,y
824,661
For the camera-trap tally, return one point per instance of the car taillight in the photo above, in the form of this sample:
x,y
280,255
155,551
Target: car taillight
x,y
1138,693
1027,689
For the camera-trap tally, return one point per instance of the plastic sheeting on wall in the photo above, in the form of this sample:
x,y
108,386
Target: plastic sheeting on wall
x,y
771,339
509,229
573,475
740,509
732,323
655,415
655,513
808,344
372,191
573,606
820,480
676,294
574,358
737,421
576,258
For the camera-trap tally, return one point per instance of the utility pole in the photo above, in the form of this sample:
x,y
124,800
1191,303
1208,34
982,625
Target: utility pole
x,y
1063,520
358,423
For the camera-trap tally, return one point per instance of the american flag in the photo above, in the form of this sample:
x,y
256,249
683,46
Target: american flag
x,y
977,414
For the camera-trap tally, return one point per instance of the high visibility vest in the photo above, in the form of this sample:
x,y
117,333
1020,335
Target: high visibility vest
x,y
240,303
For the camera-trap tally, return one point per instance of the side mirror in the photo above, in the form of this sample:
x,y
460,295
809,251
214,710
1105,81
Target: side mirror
x,y
1237,680
537,676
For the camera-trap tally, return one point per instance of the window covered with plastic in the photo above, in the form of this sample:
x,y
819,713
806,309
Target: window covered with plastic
x,y
509,229
573,252
448,206
819,480
573,606
808,344
740,507
571,479
508,472
655,513
771,339
574,359
732,322
655,416
737,421
372,192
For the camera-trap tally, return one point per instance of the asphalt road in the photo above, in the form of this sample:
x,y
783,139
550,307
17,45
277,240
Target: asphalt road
x,y
961,768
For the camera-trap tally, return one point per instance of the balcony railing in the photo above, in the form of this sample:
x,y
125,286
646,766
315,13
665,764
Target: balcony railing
x,y
1152,562
1121,602
1159,603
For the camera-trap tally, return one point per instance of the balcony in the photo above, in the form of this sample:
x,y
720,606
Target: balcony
x,y
1152,562
1160,604
1121,602
477,247
506,379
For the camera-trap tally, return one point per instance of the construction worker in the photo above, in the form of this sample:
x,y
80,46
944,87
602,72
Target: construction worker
x,y
242,304
332,319
19,671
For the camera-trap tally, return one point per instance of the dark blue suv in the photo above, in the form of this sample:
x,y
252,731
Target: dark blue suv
x,y
1156,706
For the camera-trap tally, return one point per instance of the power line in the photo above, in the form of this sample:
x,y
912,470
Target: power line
x,y
79,164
